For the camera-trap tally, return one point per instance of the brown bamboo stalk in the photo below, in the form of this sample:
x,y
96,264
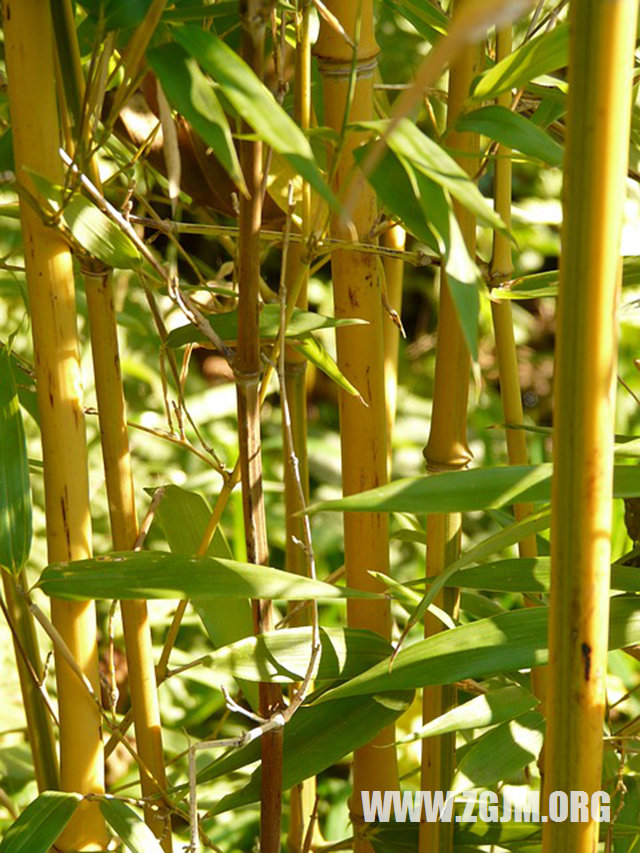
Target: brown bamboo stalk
x,y
447,450
30,67
357,293
254,16
601,60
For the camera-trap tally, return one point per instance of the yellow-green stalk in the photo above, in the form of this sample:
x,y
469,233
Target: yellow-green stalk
x,y
118,475
601,59
447,450
302,797
394,238
29,664
34,115
247,367
348,90
506,352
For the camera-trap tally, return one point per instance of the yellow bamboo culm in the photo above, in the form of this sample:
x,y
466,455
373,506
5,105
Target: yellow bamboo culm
x,y
601,58
30,69
396,239
502,315
357,293
447,450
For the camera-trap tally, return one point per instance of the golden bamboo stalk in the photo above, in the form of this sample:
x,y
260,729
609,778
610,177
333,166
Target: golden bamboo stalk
x,y
601,52
447,450
394,238
357,293
254,16
502,315
30,67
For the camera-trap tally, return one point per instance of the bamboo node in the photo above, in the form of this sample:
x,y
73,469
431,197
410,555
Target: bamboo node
x,y
245,379
362,69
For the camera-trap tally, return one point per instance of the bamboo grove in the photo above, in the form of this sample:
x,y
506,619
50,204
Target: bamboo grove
x,y
283,562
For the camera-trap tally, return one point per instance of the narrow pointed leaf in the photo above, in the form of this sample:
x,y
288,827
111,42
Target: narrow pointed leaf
x,y
513,131
491,708
15,495
500,753
225,325
426,156
283,656
157,574
311,348
534,58
193,96
472,490
254,102
40,823
510,641
128,827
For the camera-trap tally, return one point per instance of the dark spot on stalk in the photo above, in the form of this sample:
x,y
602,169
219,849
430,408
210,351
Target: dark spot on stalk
x,y
353,299
65,523
7,12
585,648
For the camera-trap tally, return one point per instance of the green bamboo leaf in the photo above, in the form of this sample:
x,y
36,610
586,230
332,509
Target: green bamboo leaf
x,y
15,494
546,283
40,823
313,351
193,96
89,226
98,235
514,131
426,156
283,656
128,827
501,753
491,708
472,490
541,55
117,14
423,207
157,574
316,738
468,837
225,325
254,102
184,516
510,641
530,574
428,20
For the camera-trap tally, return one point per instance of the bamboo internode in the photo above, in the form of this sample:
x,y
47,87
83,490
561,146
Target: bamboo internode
x,y
601,59
34,114
348,96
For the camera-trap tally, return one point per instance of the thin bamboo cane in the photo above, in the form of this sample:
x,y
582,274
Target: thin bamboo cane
x,y
29,663
254,15
394,238
601,51
302,797
447,450
348,91
502,315
30,67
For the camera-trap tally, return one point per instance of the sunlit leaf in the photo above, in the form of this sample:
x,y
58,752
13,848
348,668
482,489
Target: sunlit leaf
x,y
534,58
15,494
514,131
128,827
157,574
40,823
